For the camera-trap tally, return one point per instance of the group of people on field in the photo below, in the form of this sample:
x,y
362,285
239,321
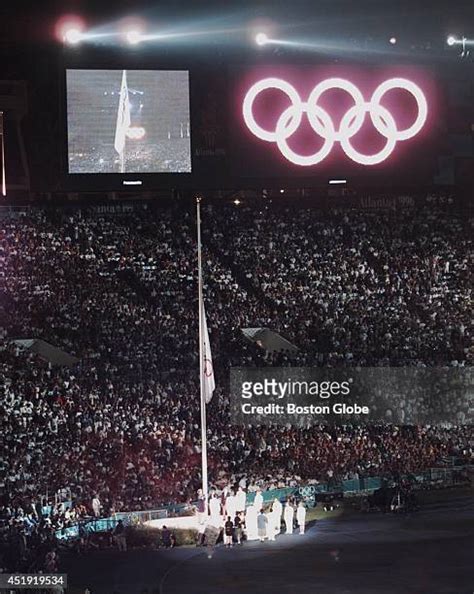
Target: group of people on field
x,y
256,521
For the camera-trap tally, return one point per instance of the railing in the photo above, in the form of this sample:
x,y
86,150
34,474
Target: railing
x,y
128,518
272,494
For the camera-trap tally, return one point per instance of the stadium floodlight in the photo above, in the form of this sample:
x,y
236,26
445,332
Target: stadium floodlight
x,y
451,40
72,35
261,38
70,29
133,36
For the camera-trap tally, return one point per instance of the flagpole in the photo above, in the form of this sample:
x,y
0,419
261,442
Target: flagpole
x,y
205,488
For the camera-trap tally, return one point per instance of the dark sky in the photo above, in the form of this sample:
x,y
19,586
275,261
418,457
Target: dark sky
x,y
35,19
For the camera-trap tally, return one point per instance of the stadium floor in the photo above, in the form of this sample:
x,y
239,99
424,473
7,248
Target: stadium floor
x,y
429,552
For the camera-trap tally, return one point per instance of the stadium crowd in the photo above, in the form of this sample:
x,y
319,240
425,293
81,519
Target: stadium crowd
x,y
122,427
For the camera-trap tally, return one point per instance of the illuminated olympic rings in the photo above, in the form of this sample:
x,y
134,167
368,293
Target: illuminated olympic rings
x,y
322,124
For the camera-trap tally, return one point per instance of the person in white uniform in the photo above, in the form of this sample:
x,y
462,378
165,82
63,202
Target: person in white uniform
x,y
277,510
251,529
214,508
258,501
96,506
289,514
301,516
240,500
230,505
224,494
273,520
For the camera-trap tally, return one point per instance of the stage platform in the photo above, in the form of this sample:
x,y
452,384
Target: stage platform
x,y
184,523
181,523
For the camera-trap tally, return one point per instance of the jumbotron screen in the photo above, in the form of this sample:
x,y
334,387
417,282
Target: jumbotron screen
x,y
335,120
128,121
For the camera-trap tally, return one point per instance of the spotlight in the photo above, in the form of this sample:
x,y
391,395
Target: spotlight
x,y
133,36
236,202
451,40
72,36
70,29
393,40
261,38
132,29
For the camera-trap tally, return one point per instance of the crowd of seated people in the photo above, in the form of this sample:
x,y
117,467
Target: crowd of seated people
x,y
353,286
120,293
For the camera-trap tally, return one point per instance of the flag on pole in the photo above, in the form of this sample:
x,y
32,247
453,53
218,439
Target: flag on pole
x,y
123,116
209,381
2,140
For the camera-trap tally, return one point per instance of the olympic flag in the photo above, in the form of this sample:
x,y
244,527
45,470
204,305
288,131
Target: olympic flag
x,y
123,120
208,371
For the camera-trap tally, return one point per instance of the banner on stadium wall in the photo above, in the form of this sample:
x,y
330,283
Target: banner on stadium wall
x,y
385,202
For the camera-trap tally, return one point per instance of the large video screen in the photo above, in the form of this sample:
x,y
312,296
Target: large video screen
x,y
334,121
128,121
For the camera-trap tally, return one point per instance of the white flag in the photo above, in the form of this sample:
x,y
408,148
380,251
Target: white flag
x,y
209,381
123,116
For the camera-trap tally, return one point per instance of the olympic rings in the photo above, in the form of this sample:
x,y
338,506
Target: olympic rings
x,y
307,491
322,124
286,122
268,83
